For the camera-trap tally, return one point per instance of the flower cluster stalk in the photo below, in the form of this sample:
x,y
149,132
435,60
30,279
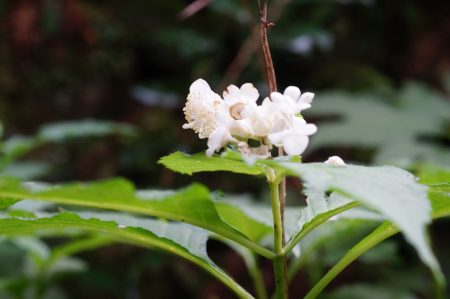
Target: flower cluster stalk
x,y
279,262
278,199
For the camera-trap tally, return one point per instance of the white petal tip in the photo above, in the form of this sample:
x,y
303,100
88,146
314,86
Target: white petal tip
x,y
199,85
335,160
307,97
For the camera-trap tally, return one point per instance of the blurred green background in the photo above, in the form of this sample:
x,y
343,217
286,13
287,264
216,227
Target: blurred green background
x,y
95,89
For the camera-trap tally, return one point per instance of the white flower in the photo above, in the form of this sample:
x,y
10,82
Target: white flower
x,y
200,109
295,138
292,101
335,160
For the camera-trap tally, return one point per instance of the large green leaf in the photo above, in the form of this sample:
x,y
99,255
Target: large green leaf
x,y
440,202
189,164
180,239
392,192
192,205
394,129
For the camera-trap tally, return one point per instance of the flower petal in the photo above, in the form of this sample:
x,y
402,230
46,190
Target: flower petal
x,y
307,97
293,92
199,85
249,92
295,144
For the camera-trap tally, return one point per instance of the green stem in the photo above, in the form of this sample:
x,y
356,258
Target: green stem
x,y
279,263
383,232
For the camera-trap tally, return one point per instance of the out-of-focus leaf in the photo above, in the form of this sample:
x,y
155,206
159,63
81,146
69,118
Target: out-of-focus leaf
x,y
57,132
433,174
366,291
26,170
395,130
177,238
17,146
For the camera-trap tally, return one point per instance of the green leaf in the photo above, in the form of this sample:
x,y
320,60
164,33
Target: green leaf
x,y
192,205
253,229
7,202
441,208
369,291
392,192
26,170
189,164
332,234
61,131
392,129
433,174
17,146
440,202
169,237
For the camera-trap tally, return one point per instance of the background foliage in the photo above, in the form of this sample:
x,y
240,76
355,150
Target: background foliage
x,y
379,69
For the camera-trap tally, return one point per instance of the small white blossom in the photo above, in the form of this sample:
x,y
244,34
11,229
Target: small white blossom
x,y
292,101
335,160
295,138
200,108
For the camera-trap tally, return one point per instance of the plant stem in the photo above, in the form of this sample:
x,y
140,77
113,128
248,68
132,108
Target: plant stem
x,y
278,190
279,263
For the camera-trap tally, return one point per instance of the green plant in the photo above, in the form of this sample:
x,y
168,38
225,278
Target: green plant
x,y
180,222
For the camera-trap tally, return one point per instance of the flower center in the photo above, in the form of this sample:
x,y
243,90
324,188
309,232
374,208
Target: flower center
x,y
236,111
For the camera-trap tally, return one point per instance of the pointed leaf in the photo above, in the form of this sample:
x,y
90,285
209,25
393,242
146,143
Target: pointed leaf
x,y
192,205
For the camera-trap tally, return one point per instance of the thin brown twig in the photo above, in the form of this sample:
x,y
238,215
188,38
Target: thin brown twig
x,y
264,26
265,45
192,9
250,46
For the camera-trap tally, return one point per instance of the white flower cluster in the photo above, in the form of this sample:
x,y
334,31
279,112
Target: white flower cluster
x,y
237,118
